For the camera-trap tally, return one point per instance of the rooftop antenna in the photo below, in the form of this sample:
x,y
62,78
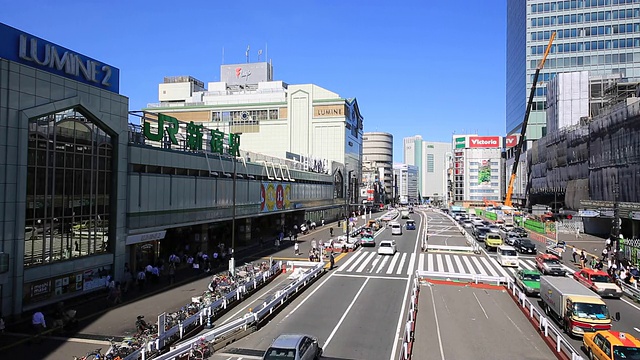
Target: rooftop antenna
x,y
266,51
247,53
259,53
223,55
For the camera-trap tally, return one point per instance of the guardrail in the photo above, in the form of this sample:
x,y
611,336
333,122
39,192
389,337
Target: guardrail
x,y
410,326
202,317
630,291
475,278
544,324
252,318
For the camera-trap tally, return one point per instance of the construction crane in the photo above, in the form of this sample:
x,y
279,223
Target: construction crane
x,y
521,141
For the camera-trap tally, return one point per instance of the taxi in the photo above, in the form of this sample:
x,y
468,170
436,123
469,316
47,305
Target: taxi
x,y
610,345
549,264
598,281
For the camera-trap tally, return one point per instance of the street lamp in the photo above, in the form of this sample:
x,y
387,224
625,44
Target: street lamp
x,y
232,261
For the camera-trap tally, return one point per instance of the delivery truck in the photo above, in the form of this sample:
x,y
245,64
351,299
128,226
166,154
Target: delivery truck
x,y
576,308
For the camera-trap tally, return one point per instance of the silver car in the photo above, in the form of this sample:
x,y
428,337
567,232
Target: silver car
x,y
293,347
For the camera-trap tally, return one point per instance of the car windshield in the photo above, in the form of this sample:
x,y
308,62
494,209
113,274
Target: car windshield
x,y
526,242
592,311
551,261
482,231
508,253
280,354
626,353
531,277
384,244
601,278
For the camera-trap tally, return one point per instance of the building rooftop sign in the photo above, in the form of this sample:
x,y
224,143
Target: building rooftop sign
x,y
36,52
476,142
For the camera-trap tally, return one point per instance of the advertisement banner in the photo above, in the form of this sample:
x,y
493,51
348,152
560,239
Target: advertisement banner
x,y
460,142
511,141
484,173
274,196
484,142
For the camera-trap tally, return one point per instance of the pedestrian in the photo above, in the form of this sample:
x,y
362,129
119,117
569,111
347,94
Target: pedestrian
x,y
1,324
76,247
296,248
583,259
332,260
172,273
39,324
604,253
142,276
578,233
574,253
331,232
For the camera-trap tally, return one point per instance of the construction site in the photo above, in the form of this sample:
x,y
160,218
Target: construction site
x,y
594,166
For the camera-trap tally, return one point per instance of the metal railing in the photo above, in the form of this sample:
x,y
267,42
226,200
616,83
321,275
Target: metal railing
x,y
544,323
252,318
475,278
410,326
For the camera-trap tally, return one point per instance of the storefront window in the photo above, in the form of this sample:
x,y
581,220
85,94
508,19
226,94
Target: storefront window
x,y
68,188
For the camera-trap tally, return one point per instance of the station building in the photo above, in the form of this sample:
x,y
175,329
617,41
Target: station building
x,y
82,191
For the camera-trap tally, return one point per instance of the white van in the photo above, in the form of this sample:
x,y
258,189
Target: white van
x,y
396,228
507,256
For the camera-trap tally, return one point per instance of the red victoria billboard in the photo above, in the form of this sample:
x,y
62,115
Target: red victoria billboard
x,y
484,142
511,141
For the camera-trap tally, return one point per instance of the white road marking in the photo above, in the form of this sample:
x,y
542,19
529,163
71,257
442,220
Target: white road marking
x,y
412,261
477,264
372,276
393,263
526,265
440,263
435,315
447,258
481,307
375,262
366,262
352,258
346,312
467,262
630,304
430,262
489,267
361,256
404,257
461,268
383,263
308,296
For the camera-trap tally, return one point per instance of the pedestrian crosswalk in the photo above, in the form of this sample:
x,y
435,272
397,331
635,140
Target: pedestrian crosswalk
x,y
369,262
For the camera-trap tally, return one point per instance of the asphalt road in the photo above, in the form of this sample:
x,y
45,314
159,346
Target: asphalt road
x,y
460,322
629,311
355,314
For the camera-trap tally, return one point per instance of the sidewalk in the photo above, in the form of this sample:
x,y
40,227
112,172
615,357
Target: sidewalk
x,y
99,321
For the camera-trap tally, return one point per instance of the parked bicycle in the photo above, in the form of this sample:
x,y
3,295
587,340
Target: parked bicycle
x,y
91,355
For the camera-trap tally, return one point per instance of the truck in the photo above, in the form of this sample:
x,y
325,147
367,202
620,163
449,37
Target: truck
x,y
577,309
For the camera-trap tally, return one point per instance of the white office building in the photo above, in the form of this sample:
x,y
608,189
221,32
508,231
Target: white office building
x,y
406,183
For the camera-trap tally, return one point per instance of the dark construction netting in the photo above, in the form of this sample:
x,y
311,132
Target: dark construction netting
x,y
586,161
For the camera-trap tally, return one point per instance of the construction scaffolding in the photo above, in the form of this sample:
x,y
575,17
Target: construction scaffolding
x,y
586,161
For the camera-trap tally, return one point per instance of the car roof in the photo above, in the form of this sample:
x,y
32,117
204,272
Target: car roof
x,y
548,256
616,339
530,272
594,272
387,241
287,341
506,247
410,221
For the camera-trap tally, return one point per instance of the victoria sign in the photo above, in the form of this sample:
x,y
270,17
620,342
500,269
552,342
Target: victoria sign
x,y
476,142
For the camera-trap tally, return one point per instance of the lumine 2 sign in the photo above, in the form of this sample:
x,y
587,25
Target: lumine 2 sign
x,y
43,55
194,135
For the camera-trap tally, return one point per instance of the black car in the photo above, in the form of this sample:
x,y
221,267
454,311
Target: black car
x,y
481,233
521,231
524,246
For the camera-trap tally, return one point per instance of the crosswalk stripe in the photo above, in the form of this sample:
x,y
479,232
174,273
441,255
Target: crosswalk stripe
x,y
366,261
440,264
429,262
447,258
461,268
375,262
382,264
393,263
470,268
351,259
404,257
412,261
355,263
503,271
477,264
488,266
525,265
421,262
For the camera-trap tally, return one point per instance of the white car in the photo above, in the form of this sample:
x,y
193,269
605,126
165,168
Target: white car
x,y
387,247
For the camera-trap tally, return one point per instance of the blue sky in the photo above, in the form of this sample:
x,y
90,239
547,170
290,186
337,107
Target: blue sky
x,y
416,67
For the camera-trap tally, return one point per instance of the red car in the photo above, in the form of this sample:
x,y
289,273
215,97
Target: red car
x,y
598,281
549,264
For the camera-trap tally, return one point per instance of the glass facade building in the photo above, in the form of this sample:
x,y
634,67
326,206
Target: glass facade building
x,y
600,36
